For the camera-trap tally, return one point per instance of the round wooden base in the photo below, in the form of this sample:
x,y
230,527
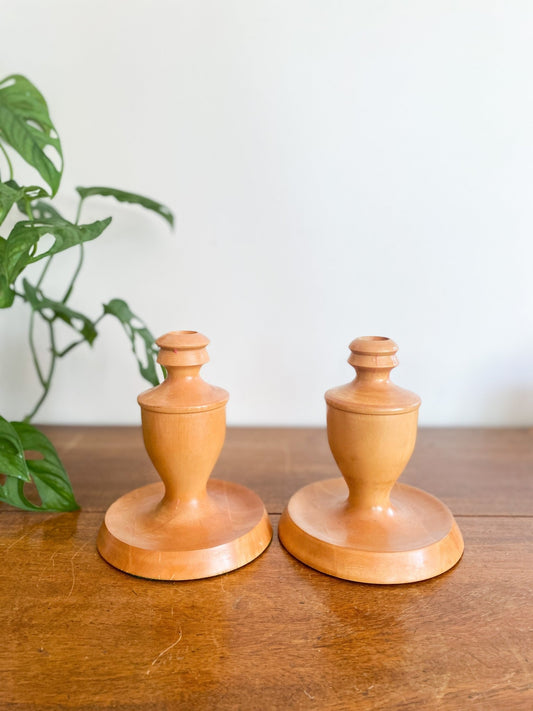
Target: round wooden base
x,y
414,539
226,529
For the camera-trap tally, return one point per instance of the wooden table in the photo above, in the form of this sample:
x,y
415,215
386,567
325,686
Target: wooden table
x,y
275,634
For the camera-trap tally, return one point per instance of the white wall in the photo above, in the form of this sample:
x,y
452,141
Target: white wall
x,y
337,169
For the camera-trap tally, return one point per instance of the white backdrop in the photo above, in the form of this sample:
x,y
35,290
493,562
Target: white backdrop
x,y
337,168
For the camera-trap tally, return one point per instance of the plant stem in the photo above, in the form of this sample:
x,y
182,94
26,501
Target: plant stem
x,y
47,382
78,212
70,347
9,163
43,273
29,211
80,259
73,345
74,276
34,351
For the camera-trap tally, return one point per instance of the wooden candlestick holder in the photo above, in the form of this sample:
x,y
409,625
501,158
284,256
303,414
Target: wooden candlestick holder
x,y
188,526
365,527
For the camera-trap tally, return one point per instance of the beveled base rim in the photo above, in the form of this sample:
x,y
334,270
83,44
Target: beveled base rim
x,y
381,567
168,561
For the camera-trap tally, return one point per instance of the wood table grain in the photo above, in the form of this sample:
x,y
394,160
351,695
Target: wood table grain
x,y
78,634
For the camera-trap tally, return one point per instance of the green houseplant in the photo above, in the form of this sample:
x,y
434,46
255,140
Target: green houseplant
x,y
27,132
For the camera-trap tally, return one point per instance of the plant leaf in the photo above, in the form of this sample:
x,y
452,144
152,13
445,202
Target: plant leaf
x,y
12,461
48,474
8,197
76,320
11,193
26,126
123,196
142,341
18,250
45,212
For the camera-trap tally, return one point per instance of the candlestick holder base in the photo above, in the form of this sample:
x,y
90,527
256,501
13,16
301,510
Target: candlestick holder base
x,y
414,539
225,530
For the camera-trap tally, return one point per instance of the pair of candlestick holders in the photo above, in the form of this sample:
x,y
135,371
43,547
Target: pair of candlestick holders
x,y
363,527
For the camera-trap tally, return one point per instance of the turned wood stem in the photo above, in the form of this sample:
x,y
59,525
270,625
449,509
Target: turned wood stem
x,y
176,373
372,375
371,425
362,496
184,421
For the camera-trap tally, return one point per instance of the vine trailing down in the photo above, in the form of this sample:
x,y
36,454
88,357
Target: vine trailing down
x,y
26,129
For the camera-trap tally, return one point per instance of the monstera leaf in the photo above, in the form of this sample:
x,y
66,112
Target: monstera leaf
x,y
8,197
46,471
19,249
51,309
44,212
142,341
133,198
12,461
11,193
26,126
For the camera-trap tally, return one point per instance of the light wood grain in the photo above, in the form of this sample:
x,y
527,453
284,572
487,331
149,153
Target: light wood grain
x,y
474,471
184,527
366,527
78,634
275,634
